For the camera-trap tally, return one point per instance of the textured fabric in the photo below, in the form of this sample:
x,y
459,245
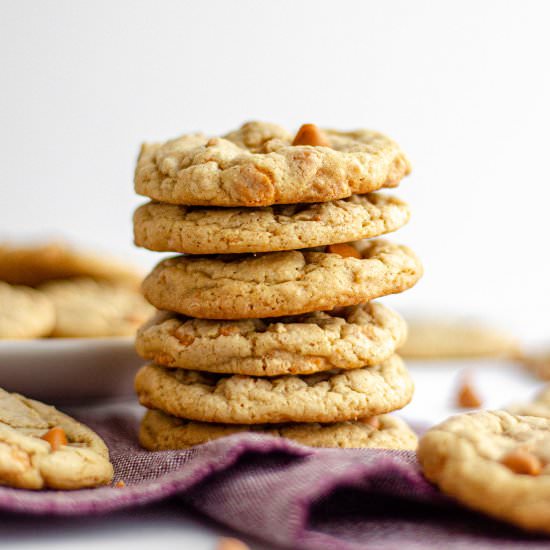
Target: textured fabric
x,y
282,492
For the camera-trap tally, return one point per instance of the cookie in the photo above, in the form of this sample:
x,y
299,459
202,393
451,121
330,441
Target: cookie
x,y
349,338
24,313
331,396
88,308
258,165
495,463
33,265
197,230
453,339
29,462
280,283
161,432
537,363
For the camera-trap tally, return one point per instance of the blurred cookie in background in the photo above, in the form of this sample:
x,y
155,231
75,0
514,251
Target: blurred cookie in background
x,y
537,363
88,308
447,338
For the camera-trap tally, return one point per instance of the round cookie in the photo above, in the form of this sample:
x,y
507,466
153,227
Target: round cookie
x,y
33,265
452,339
493,462
196,230
322,397
24,313
349,338
280,283
29,462
88,308
258,165
161,432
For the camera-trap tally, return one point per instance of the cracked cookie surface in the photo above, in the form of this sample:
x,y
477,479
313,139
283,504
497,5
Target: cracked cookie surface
x,y
280,283
196,230
24,313
29,462
470,458
352,337
160,432
237,399
257,165
88,308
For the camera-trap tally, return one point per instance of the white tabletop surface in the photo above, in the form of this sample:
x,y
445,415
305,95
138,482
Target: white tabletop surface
x,y
498,382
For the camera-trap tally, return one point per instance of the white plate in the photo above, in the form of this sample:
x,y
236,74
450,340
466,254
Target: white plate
x,y
69,370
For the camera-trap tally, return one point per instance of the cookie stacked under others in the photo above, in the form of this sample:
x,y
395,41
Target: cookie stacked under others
x,y
266,320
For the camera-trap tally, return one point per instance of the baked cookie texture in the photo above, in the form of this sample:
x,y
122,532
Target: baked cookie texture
x,y
29,462
237,399
24,313
161,432
446,338
349,338
88,308
196,230
33,265
466,457
257,165
280,283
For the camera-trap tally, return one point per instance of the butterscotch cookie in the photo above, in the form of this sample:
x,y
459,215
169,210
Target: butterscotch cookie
x,y
88,308
349,338
261,164
331,396
161,432
24,313
452,339
493,462
33,265
281,283
197,230
41,447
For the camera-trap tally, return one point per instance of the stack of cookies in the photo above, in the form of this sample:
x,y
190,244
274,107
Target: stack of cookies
x,y
266,322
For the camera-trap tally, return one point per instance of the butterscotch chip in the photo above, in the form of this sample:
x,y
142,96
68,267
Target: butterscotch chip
x,y
120,484
231,544
373,421
522,462
199,230
41,447
467,397
160,432
257,165
349,338
310,134
481,460
331,396
344,250
280,283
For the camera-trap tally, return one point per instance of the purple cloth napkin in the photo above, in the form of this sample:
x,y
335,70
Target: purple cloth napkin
x,y
281,492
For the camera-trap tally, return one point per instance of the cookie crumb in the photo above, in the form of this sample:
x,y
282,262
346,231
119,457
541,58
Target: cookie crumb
x,y
228,543
467,397
522,462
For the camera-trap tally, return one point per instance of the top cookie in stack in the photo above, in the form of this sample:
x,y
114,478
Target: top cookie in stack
x,y
275,281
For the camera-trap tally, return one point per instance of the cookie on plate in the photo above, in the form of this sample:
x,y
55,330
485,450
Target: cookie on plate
x,y
33,265
88,308
493,462
197,230
41,447
24,313
161,432
347,338
454,339
331,396
281,283
261,164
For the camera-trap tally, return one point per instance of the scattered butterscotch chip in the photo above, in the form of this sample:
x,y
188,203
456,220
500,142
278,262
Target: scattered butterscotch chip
x,y
309,134
56,437
344,250
468,397
228,543
522,462
120,484
371,421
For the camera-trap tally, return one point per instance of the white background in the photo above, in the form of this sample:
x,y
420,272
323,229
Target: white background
x,y
463,86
